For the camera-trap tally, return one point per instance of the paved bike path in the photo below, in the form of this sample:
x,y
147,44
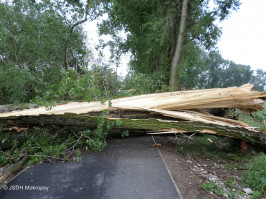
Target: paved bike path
x,y
127,168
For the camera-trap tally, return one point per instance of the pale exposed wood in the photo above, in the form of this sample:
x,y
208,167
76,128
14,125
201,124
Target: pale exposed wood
x,y
199,117
233,97
175,131
167,131
167,104
201,111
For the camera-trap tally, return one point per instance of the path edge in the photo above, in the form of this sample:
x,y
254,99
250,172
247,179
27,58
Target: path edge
x,y
178,191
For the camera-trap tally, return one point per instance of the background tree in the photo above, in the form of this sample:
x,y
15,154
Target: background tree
x,y
44,55
152,28
32,44
259,80
219,72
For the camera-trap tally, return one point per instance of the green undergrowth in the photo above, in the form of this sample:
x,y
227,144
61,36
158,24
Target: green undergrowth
x,y
54,143
256,119
211,186
255,175
96,84
210,146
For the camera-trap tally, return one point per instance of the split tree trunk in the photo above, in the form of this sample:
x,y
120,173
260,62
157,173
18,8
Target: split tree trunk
x,y
171,112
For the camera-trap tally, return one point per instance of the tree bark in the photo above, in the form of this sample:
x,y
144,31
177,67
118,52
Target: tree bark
x,y
13,170
172,36
156,124
176,58
15,48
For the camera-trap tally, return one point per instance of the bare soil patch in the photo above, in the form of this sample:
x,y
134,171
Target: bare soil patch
x,y
190,172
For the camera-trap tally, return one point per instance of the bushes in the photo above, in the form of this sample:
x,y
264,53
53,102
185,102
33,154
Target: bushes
x,y
95,84
144,84
52,143
99,83
16,85
260,116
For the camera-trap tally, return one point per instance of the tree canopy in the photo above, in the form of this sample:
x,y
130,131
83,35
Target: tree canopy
x,y
152,30
44,54
33,38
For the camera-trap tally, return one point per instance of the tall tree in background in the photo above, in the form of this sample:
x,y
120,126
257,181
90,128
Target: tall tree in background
x,y
152,28
219,72
33,37
72,25
72,13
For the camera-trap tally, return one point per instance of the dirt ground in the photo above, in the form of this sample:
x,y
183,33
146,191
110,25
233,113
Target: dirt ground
x,y
190,172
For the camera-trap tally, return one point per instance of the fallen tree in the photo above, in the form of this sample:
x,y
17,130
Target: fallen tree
x,y
13,170
171,112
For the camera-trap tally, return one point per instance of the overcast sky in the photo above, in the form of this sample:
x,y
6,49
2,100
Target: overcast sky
x,y
244,35
243,40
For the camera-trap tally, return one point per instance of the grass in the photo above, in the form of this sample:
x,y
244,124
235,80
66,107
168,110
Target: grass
x,y
231,166
255,175
257,195
231,182
211,186
253,163
210,146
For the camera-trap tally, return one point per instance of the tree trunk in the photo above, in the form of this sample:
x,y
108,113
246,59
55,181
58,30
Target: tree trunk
x,y
156,124
176,58
66,53
158,63
15,48
13,170
171,112
172,36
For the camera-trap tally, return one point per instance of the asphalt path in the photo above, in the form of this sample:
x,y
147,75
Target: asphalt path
x,y
127,168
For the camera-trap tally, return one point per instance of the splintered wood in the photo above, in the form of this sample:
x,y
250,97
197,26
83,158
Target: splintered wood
x,y
171,110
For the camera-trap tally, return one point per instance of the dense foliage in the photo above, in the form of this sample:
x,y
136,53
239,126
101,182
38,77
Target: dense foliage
x,y
34,37
32,42
212,71
208,71
54,143
152,29
99,83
